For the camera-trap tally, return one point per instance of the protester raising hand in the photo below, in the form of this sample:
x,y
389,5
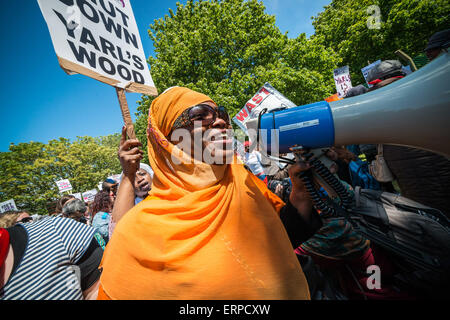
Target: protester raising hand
x,y
129,156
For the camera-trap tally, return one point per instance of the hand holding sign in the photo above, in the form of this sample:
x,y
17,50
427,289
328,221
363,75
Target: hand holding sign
x,y
129,155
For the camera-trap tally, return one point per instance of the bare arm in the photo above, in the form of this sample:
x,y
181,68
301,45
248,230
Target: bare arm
x,y
130,156
299,196
92,292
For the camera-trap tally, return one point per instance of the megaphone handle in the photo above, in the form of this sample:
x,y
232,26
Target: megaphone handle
x,y
333,182
327,177
318,202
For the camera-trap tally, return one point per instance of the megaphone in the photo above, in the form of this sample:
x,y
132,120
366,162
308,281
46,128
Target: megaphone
x,y
413,111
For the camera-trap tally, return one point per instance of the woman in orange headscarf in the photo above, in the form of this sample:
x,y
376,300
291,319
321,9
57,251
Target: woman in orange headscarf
x,y
206,231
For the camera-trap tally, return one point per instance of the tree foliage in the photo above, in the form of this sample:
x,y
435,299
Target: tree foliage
x,y
405,25
29,170
228,49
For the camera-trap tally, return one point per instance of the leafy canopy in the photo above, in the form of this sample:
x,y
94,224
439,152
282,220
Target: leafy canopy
x,y
29,170
404,24
228,49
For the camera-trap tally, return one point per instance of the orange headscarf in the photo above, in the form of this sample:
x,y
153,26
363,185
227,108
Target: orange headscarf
x,y
205,231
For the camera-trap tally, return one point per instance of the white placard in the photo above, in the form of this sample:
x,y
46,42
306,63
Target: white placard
x,y
266,98
78,196
342,80
89,196
64,185
100,39
9,205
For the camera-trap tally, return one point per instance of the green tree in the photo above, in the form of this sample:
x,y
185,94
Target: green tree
x,y
404,24
228,49
31,169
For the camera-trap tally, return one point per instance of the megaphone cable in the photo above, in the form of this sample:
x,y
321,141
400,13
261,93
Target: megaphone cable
x,y
320,205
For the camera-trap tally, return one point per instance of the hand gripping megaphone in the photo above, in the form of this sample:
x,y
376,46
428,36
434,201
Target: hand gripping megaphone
x,y
413,111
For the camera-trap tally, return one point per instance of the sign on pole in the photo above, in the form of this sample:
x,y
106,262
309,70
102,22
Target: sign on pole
x,y
266,98
366,69
100,39
89,196
342,80
78,196
64,185
9,205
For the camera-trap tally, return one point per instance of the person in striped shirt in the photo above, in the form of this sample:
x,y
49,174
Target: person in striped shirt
x,y
51,259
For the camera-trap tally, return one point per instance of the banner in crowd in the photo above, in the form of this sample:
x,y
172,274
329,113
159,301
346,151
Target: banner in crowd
x,y
273,99
78,196
64,185
366,69
9,205
99,39
266,98
89,196
342,80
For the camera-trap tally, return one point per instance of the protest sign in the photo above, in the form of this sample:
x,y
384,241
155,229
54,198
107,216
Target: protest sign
x,y
366,69
64,185
9,205
89,196
78,196
266,98
342,80
100,39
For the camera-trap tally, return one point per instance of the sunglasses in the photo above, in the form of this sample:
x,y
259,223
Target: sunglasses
x,y
203,113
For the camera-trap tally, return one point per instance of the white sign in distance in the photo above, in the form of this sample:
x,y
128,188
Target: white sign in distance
x,y
99,39
9,205
64,185
342,80
89,196
78,196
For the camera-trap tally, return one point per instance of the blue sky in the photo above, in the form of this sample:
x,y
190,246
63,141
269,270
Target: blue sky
x,y
40,102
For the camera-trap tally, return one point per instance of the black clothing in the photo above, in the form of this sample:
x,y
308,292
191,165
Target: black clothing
x,y
422,176
299,230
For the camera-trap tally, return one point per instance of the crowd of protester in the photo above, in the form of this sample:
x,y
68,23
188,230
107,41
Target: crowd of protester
x,y
177,230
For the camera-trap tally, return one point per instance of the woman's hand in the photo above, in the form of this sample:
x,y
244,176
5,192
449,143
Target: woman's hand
x,y
130,155
279,190
299,196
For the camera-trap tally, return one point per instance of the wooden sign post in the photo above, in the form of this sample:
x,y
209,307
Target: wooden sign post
x,y
125,113
100,39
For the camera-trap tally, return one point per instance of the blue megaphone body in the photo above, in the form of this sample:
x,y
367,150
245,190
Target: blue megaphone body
x,y
413,111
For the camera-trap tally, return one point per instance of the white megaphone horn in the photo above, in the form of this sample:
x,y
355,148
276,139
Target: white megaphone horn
x,y
413,111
